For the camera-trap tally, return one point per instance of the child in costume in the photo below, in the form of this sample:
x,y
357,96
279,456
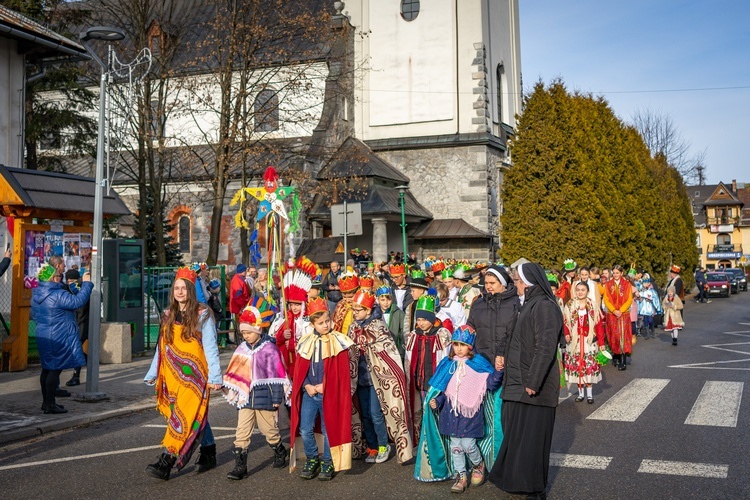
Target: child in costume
x,y
381,385
426,346
648,307
672,305
322,393
392,316
459,386
342,315
256,383
288,328
417,288
584,335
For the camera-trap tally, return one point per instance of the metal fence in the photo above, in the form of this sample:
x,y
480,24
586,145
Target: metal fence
x,y
158,283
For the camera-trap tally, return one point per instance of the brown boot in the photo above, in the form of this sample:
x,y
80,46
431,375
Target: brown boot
x,y
461,484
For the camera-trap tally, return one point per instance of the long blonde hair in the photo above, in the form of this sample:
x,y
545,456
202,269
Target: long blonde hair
x,y
191,317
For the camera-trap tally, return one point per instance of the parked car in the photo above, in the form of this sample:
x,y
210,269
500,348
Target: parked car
x,y
718,284
738,277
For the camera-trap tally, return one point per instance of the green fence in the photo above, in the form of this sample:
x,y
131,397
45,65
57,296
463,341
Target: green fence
x,y
158,283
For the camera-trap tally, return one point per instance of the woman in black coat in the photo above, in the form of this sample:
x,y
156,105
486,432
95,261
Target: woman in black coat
x,y
531,387
492,314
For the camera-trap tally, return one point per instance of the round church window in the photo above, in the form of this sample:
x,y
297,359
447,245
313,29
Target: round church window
x,y
409,9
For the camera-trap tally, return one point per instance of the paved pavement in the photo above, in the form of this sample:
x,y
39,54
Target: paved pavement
x,y
21,399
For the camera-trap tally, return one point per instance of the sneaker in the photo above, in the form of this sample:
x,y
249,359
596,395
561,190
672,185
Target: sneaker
x,y
371,456
384,453
326,471
478,474
311,468
461,483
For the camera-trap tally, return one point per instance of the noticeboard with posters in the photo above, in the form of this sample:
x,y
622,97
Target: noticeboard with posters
x,y
74,248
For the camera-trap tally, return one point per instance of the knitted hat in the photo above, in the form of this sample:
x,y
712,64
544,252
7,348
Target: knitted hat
x,y
241,268
256,315
214,284
426,308
364,299
383,290
418,280
464,334
45,273
569,265
72,274
186,273
348,282
398,270
316,305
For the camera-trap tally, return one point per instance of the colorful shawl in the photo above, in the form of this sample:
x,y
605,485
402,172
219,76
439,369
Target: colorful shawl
x,y
182,394
343,315
433,461
251,366
337,395
375,342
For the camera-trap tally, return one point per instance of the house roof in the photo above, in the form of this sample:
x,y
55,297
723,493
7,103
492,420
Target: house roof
x,y
448,229
710,195
60,192
354,157
321,250
34,38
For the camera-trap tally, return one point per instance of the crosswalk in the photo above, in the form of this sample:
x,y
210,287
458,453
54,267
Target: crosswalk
x,y
717,405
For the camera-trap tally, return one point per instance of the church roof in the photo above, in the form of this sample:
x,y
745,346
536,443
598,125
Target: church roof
x,y
448,229
354,157
378,200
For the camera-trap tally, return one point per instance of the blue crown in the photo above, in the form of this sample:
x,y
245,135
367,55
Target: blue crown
x,y
464,334
382,290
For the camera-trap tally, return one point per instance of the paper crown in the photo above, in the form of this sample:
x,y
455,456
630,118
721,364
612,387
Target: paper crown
x,y
417,274
426,303
364,299
366,281
418,280
447,273
428,265
398,270
198,266
675,269
464,334
552,278
257,313
569,265
187,274
632,272
438,266
298,279
45,273
383,290
316,305
348,282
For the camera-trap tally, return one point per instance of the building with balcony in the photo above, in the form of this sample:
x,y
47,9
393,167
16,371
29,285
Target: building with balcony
x,y
722,223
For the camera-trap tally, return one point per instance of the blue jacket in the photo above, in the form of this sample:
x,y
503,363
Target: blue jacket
x,y
450,424
54,310
648,307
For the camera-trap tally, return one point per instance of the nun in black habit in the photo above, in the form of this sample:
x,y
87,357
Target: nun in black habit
x,y
531,387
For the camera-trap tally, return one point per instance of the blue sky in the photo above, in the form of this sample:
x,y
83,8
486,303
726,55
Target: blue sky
x,y
688,60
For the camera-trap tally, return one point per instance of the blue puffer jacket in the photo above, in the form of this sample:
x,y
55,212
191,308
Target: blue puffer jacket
x,y
53,308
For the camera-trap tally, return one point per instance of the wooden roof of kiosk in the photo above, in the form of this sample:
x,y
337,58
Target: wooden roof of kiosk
x,y
26,195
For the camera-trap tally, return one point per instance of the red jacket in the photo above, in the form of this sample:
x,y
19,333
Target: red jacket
x,y
239,294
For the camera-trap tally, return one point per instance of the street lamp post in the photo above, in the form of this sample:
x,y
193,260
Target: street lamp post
x,y
401,193
94,341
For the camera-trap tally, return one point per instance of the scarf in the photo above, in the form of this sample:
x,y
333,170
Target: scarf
x,y
251,366
182,394
343,315
467,385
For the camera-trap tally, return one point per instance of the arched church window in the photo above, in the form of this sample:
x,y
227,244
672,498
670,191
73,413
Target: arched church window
x,y
266,111
184,234
409,9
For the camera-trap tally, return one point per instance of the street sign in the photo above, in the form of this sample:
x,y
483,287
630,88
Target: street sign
x,y
352,219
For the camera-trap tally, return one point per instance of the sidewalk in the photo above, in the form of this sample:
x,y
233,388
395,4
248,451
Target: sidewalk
x,y
21,416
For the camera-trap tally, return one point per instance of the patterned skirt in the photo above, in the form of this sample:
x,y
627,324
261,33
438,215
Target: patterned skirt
x,y
581,369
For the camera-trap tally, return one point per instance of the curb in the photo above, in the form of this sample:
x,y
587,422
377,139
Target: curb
x,y
42,428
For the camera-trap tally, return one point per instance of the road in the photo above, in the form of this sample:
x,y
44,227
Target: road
x,y
673,425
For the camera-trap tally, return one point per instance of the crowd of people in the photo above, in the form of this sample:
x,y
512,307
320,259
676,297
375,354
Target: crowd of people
x,y
455,365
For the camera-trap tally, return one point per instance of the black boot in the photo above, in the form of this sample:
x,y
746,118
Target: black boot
x,y
206,458
616,360
623,363
279,455
240,465
74,381
162,467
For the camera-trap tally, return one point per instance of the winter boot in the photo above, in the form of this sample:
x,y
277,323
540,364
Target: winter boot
x,y
311,468
478,474
162,467
74,381
240,465
326,471
623,362
279,455
461,484
206,458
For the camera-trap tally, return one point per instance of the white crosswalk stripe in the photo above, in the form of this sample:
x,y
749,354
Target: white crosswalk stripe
x,y
579,461
693,469
630,401
717,405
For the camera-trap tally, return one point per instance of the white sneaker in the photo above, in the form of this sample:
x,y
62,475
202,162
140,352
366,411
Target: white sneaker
x,y
384,453
371,456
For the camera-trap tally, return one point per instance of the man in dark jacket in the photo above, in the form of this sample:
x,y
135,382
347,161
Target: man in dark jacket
x,y
492,313
330,286
700,282
531,387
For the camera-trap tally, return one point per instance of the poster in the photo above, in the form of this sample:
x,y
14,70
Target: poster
x,y
35,244
72,250
85,252
53,244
